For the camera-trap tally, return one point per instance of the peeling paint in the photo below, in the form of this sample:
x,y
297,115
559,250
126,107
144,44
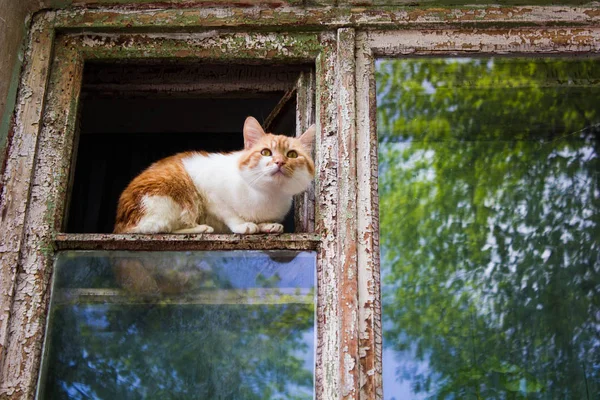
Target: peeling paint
x,y
369,318
345,203
213,46
348,388
16,191
455,41
28,308
346,231
166,242
315,18
327,375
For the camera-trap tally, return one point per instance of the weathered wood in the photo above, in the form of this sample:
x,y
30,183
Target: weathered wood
x,y
192,79
450,3
315,18
347,213
44,212
8,270
172,242
369,318
304,212
193,3
327,369
348,318
210,46
476,41
16,182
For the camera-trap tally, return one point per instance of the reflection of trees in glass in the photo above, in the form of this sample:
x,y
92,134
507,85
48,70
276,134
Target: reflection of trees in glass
x,y
148,348
489,199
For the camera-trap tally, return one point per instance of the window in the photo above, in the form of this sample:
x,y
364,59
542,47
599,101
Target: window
x,y
488,172
488,188
233,325
135,114
102,168
100,281
388,271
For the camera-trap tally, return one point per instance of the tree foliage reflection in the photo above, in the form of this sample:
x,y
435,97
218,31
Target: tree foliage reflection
x,y
164,346
489,202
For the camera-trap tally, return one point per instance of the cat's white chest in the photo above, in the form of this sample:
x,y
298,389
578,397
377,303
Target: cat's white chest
x,y
258,207
219,182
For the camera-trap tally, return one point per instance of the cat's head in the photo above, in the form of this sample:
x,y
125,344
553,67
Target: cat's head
x,y
277,162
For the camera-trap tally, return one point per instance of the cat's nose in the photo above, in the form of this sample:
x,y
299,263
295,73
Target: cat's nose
x,y
279,163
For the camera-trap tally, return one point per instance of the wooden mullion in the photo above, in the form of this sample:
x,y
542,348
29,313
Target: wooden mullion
x,y
178,242
370,344
304,211
347,267
327,382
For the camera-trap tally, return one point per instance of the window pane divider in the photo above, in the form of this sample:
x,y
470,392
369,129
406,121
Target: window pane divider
x,y
176,242
290,295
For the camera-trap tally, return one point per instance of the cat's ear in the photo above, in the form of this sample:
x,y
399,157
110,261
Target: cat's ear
x,y
253,132
308,138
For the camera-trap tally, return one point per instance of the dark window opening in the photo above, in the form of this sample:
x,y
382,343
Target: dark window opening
x,y
133,115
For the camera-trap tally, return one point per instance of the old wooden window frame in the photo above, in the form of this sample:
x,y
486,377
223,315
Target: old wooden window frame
x,y
33,231
524,42
343,43
295,82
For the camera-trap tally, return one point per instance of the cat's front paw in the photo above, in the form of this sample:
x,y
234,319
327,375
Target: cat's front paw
x,y
270,228
247,227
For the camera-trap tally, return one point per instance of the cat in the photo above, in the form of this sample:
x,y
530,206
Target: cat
x,y
246,192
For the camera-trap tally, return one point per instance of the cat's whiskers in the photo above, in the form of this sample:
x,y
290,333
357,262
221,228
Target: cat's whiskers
x,y
260,175
295,178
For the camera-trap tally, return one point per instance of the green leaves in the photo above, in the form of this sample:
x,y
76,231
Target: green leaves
x,y
515,379
240,328
490,235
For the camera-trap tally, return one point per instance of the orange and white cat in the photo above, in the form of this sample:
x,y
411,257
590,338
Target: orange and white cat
x,y
247,191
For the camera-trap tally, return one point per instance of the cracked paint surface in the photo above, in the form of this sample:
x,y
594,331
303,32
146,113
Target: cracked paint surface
x,y
342,42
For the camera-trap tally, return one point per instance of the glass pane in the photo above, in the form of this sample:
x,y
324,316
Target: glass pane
x,y
181,325
490,227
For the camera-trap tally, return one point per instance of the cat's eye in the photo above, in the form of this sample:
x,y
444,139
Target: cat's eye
x,y
292,154
266,152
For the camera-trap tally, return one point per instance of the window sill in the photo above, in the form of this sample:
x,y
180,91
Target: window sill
x,y
176,242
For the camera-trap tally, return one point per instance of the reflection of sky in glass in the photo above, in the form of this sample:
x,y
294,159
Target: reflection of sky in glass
x,y
489,201
236,324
